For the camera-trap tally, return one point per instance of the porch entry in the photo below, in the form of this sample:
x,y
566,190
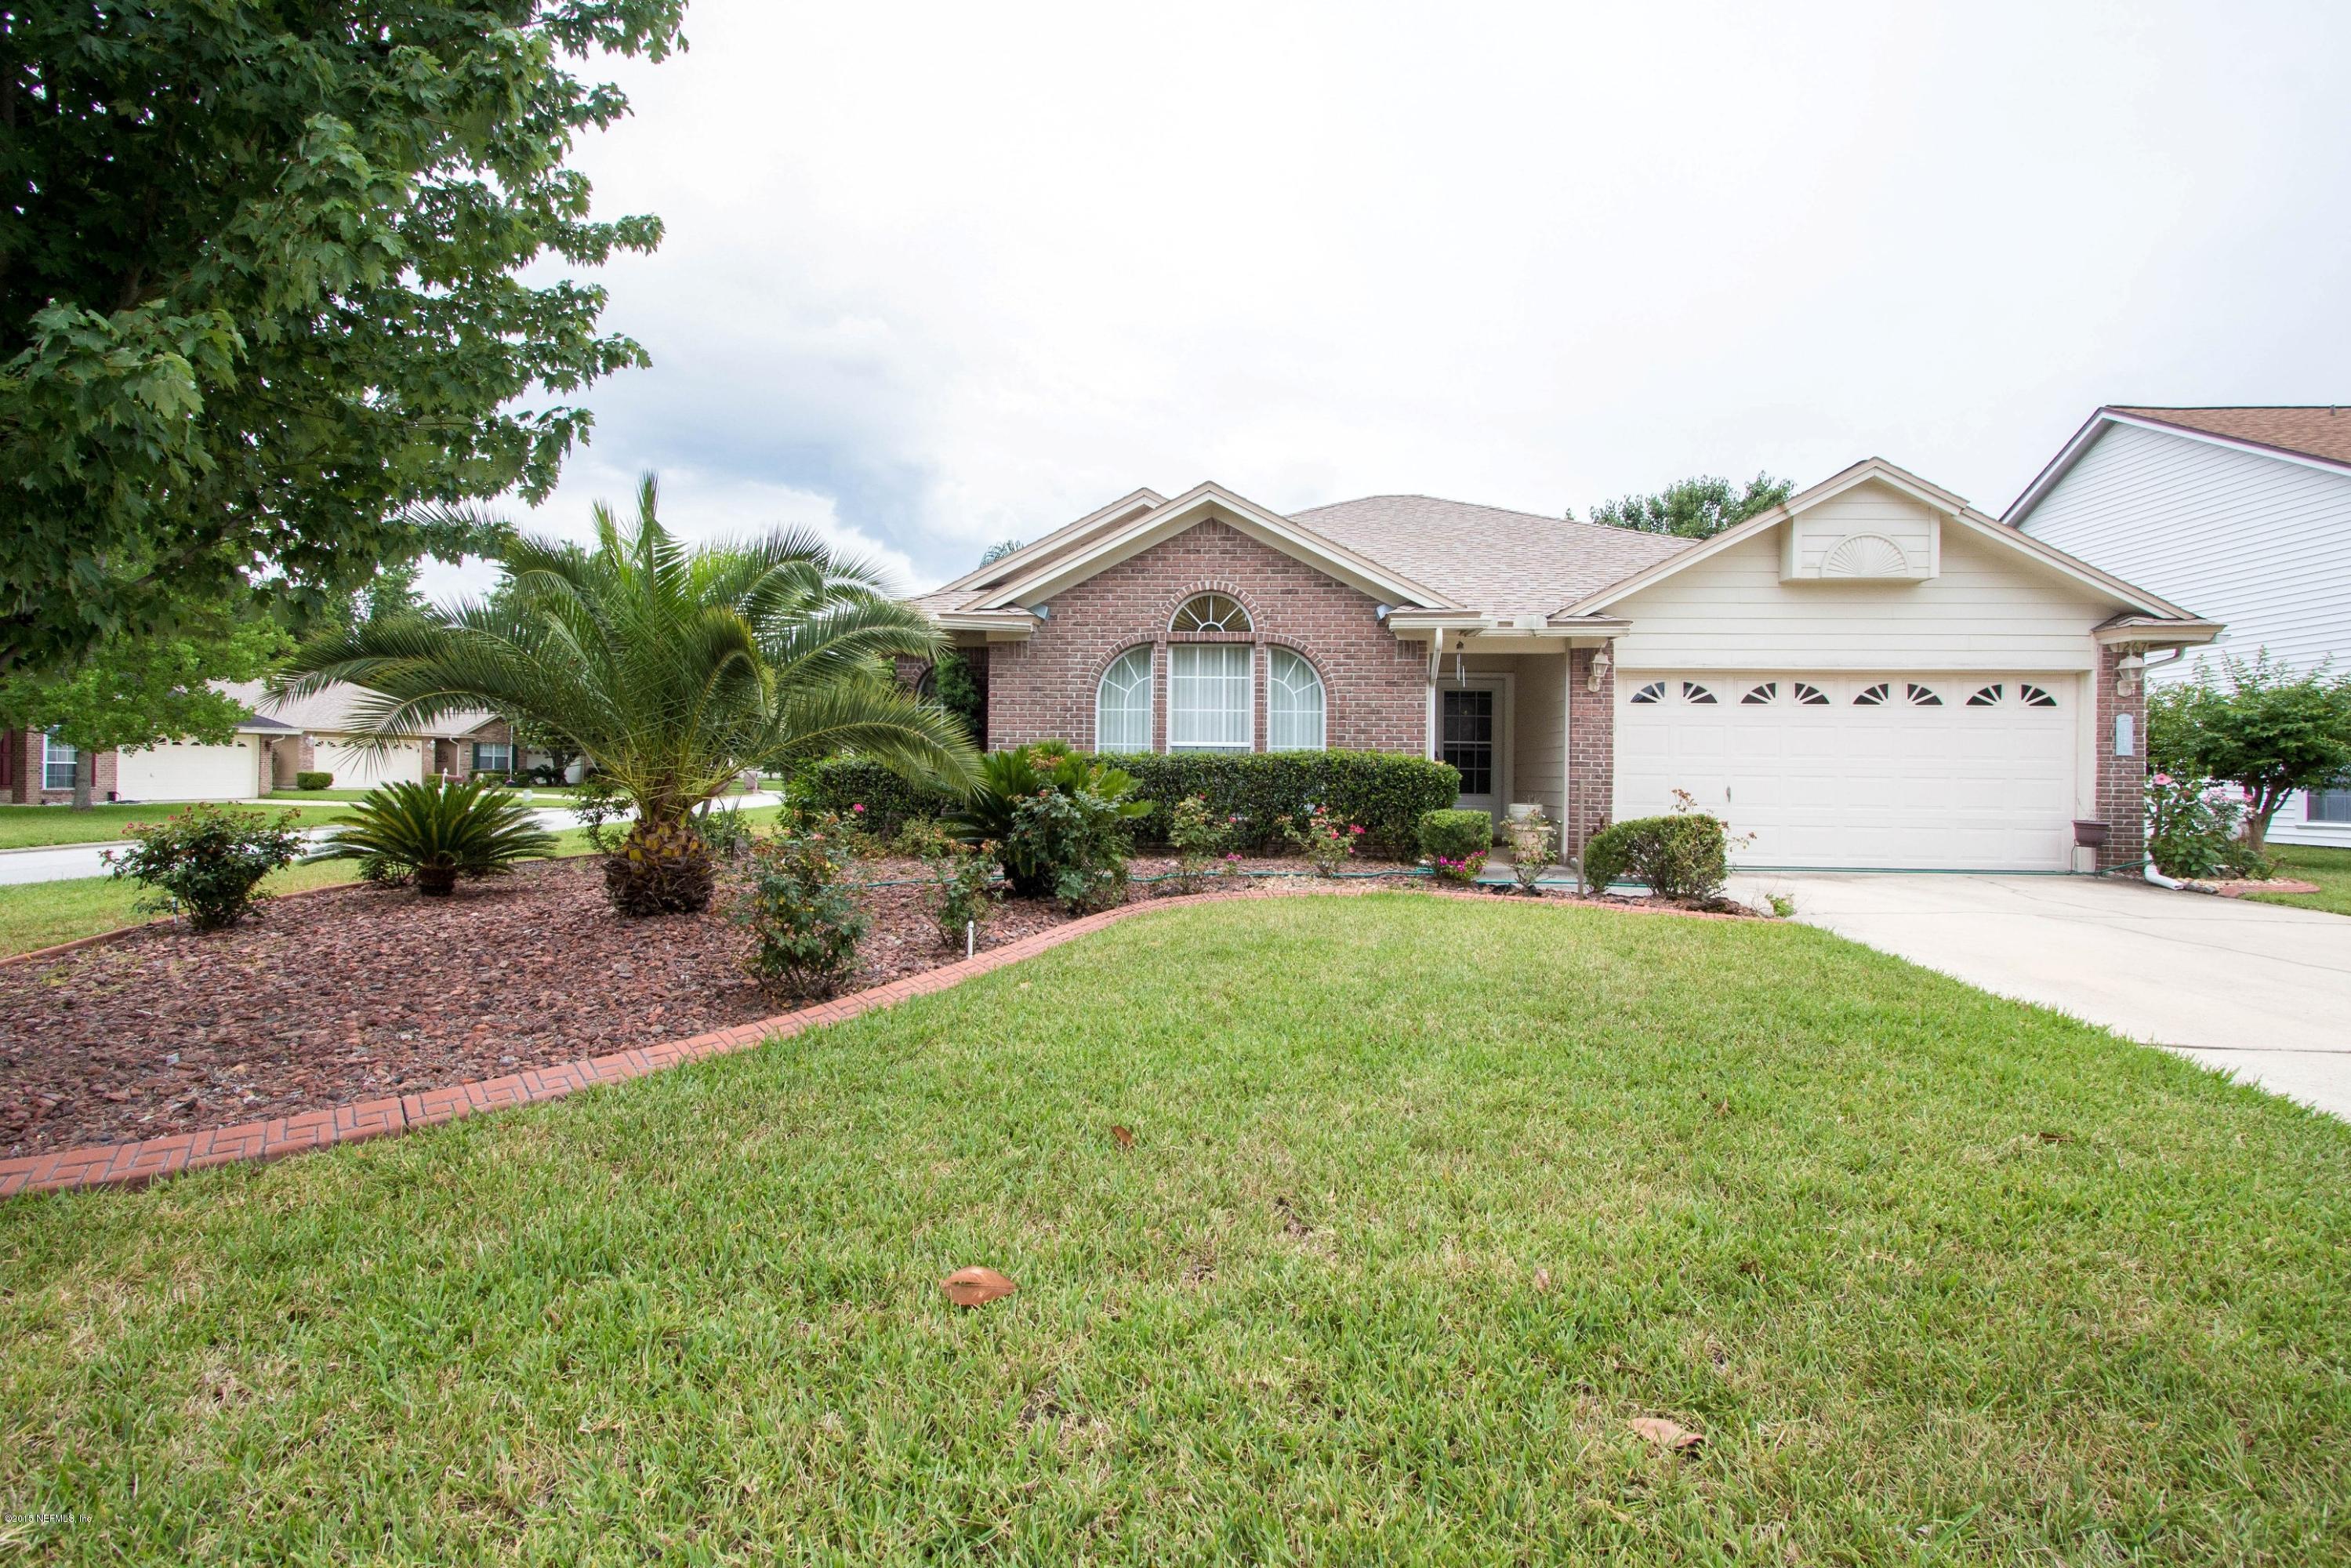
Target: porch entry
x,y
1472,730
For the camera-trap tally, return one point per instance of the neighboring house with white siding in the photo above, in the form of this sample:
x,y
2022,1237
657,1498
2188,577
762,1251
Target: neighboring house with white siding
x,y
2244,512
1872,675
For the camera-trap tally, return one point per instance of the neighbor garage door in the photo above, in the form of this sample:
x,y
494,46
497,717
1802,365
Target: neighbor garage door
x,y
1929,772
180,771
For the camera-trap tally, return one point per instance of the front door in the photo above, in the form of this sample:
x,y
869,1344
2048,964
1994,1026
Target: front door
x,y
1470,729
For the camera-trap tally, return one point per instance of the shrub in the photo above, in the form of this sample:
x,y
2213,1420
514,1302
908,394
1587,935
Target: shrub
x,y
1532,839
1386,792
2195,829
1455,843
961,897
1074,843
1322,838
1684,855
804,925
1202,842
600,803
725,830
306,779
205,862
433,834
1035,861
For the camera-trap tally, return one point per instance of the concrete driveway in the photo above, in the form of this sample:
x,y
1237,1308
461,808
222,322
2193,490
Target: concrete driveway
x,y
2259,990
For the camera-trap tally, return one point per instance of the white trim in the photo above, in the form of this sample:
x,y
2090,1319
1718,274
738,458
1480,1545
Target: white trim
x,y
2095,427
72,767
1953,510
1130,505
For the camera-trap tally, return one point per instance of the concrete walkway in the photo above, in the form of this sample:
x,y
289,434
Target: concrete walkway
x,y
2262,990
62,862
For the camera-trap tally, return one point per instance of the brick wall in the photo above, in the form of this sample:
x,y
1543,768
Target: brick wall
x,y
1375,691
2122,780
25,773
1591,752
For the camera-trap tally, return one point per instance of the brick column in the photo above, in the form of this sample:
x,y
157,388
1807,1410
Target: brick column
x,y
2122,780
1591,752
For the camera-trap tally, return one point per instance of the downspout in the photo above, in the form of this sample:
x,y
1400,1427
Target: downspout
x,y
2153,875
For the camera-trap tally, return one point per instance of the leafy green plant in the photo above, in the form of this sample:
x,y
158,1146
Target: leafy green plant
x,y
2269,731
599,803
1685,855
307,779
435,834
962,896
1075,843
1202,842
2195,829
1326,842
1035,858
804,925
1782,906
671,667
1457,843
1531,838
205,862
725,830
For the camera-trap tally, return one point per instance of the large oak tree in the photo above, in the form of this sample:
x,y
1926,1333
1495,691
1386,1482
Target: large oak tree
x,y
262,318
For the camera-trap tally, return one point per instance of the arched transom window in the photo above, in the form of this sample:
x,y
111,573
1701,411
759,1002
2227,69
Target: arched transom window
x,y
1123,703
1293,703
1210,612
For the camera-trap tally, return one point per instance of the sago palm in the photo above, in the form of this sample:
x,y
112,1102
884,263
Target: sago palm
x,y
671,667
433,834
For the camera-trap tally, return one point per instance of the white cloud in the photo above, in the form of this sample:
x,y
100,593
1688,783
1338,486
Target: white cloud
x,y
939,275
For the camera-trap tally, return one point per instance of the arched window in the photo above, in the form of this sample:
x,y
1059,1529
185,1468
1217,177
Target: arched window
x,y
1123,704
1210,612
1293,703
1209,688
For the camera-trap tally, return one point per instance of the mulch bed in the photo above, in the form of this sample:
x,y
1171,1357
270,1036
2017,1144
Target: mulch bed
x,y
356,993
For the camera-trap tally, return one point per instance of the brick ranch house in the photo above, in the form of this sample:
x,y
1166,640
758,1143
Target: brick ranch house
x,y
1874,675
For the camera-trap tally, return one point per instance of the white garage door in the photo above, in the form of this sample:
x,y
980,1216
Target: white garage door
x,y
1929,772
362,767
180,772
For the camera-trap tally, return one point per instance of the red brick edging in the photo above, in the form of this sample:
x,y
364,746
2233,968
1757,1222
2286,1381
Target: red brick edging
x,y
135,1165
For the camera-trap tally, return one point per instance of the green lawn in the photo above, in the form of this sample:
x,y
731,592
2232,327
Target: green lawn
x,y
1426,1201
2330,869
26,827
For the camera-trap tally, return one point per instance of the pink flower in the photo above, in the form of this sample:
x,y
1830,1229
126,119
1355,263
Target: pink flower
x,y
2163,778
859,808
1356,829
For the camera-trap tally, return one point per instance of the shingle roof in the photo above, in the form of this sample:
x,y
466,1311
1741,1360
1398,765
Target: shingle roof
x,y
2312,431
332,710
1496,561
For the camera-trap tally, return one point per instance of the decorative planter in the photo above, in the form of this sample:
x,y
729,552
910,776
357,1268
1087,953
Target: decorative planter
x,y
2089,835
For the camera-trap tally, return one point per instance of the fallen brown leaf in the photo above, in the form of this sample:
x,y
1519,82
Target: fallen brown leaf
x,y
976,1286
1668,1435
1123,1136
1542,1278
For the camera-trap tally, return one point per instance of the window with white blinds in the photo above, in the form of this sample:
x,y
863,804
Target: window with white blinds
x,y
1209,689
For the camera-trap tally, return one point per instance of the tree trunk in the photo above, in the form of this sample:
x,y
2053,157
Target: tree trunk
x,y
663,867
85,776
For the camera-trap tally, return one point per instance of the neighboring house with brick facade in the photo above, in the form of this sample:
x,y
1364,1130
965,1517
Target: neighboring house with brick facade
x,y
278,738
2245,510
1870,674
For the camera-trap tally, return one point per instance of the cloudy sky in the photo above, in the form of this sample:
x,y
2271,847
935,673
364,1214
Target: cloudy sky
x,y
940,276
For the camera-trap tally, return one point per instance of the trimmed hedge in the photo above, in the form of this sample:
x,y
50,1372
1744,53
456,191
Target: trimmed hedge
x,y
1680,856
1455,835
309,781
1386,792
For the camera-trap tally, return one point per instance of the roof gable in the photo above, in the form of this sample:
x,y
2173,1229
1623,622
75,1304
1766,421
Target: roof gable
x,y
1952,510
1106,546
2311,436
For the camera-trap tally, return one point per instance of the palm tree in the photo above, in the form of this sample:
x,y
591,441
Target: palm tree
x,y
672,668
